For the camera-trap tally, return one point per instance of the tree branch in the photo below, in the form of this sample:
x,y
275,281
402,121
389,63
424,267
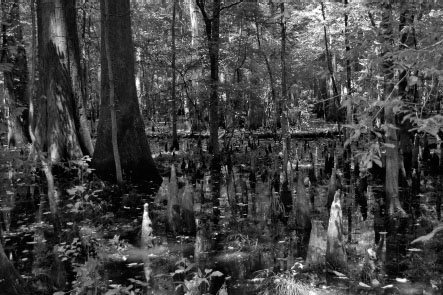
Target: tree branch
x,y
229,6
201,5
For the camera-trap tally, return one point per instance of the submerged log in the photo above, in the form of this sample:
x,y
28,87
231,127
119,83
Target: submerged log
x,y
315,258
336,258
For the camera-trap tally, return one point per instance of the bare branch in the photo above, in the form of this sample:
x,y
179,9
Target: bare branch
x,y
229,6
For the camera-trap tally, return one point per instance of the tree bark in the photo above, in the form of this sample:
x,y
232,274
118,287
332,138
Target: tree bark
x,y
60,128
136,160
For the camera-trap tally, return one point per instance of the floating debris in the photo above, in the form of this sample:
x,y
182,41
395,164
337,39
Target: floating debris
x,y
388,286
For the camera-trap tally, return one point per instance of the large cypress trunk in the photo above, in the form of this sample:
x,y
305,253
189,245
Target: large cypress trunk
x,y
60,127
135,154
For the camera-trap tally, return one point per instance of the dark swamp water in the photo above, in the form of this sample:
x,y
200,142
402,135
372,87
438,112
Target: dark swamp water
x,y
101,248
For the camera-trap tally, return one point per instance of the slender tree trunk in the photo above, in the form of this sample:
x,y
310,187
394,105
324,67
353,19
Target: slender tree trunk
x,y
212,28
135,155
284,99
392,155
175,145
268,67
112,104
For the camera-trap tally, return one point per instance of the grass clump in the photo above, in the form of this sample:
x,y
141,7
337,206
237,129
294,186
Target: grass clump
x,y
284,284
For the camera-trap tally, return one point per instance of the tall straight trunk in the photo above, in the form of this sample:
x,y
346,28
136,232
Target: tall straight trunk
x,y
268,65
112,104
175,144
60,128
212,28
16,78
284,99
335,100
135,155
392,155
